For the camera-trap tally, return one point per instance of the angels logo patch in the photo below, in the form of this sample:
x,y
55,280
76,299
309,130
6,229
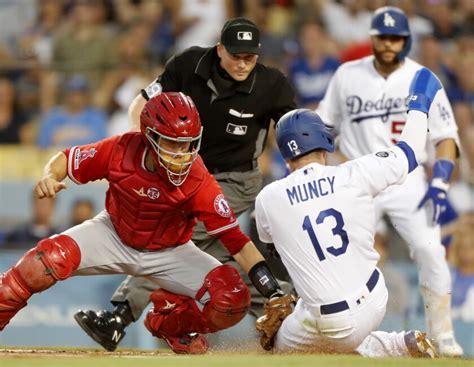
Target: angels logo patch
x,y
80,156
221,206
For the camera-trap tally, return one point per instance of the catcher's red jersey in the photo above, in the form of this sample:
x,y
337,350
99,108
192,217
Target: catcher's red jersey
x,y
146,210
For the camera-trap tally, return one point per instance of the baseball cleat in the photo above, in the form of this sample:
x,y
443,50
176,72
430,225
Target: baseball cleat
x,y
448,347
104,327
418,345
192,343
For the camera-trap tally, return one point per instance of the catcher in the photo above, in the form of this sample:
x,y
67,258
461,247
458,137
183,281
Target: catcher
x,y
158,187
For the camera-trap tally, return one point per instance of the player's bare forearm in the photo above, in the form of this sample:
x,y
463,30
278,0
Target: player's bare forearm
x,y
54,172
56,168
248,256
134,112
446,149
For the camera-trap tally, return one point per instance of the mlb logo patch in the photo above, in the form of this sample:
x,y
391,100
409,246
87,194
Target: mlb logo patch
x,y
236,129
153,89
244,36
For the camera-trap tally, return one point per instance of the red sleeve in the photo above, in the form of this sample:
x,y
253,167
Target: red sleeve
x,y
234,239
211,207
90,162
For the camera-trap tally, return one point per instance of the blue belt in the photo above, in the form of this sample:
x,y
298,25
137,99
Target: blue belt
x,y
343,305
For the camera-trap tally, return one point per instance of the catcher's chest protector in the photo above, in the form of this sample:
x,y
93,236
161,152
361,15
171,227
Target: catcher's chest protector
x,y
145,210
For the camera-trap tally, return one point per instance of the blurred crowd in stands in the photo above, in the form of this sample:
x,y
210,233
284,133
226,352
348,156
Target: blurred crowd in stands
x,y
70,68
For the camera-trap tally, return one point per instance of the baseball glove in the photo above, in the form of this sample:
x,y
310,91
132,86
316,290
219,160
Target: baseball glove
x,y
276,310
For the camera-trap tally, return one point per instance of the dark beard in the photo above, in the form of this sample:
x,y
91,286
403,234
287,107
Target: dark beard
x,y
382,62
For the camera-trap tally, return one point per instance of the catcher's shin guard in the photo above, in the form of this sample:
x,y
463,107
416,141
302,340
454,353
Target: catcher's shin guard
x,y
176,315
13,295
177,320
51,260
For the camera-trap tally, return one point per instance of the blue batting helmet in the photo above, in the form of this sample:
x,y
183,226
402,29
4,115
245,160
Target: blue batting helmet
x,y
390,20
301,131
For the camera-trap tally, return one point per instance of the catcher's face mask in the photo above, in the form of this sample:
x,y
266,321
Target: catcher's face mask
x,y
175,155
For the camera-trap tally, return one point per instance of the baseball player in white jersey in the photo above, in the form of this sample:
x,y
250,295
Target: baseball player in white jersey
x,y
365,103
322,220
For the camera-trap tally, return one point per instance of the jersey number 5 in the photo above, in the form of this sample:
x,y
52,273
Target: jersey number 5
x,y
338,230
397,127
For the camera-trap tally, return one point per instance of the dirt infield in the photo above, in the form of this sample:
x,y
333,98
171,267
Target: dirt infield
x,y
48,352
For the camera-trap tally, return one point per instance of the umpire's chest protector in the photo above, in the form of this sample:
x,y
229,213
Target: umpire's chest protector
x,y
146,210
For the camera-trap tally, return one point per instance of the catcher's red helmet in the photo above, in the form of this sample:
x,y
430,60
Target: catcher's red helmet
x,y
171,126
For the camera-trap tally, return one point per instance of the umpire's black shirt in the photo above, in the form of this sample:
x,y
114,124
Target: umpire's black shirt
x,y
235,115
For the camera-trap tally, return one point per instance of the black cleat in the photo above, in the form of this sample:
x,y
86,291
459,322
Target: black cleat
x,y
104,327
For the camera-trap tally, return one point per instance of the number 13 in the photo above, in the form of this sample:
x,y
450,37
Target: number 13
x,y
338,230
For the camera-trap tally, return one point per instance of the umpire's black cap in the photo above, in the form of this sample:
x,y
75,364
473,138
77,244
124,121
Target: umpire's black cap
x,y
240,36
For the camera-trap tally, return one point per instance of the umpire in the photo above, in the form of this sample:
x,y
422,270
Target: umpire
x,y
237,98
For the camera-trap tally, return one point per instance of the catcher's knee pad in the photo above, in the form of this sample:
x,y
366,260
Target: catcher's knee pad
x,y
51,260
60,255
229,298
173,315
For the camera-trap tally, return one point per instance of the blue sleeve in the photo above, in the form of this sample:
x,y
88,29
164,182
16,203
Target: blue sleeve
x,y
412,163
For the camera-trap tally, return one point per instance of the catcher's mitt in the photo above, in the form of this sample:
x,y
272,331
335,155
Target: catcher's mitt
x,y
275,311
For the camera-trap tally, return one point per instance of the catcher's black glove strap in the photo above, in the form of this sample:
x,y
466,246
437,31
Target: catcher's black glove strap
x,y
263,280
